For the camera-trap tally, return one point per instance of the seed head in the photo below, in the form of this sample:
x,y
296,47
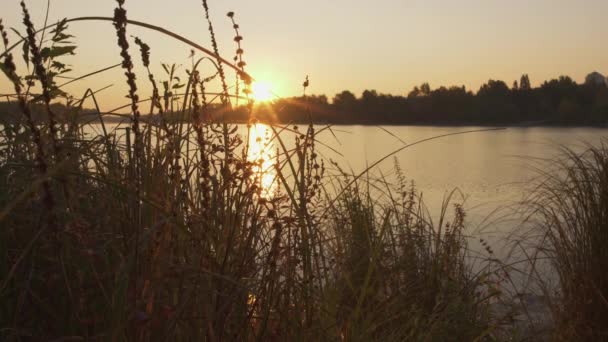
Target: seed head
x,y
145,51
4,34
245,77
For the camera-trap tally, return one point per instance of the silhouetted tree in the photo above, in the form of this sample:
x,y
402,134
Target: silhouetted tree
x,y
524,83
494,88
595,79
345,99
425,89
556,101
414,93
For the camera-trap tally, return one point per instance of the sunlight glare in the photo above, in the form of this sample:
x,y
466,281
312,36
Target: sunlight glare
x,y
261,92
261,151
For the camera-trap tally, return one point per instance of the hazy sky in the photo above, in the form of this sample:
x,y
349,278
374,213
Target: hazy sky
x,y
387,45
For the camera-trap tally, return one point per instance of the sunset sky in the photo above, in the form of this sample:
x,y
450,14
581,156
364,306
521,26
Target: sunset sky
x,y
386,45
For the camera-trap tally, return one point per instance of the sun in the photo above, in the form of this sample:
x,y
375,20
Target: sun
x,y
261,92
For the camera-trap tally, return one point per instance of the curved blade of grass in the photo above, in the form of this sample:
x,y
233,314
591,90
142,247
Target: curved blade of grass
x,y
144,25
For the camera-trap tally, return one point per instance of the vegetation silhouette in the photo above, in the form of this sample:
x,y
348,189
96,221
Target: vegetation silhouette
x,y
558,101
162,230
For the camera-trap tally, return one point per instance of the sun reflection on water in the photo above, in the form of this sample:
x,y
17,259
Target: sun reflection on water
x,y
262,151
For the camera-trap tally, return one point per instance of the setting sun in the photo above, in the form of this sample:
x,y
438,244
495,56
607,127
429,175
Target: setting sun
x,y
390,170
261,92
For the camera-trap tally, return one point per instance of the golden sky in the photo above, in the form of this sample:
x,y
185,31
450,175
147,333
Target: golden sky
x,y
386,45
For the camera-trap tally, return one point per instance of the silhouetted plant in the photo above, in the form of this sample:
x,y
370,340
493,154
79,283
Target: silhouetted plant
x,y
172,236
571,205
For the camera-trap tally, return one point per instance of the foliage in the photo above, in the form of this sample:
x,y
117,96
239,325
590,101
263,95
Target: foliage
x,y
556,102
572,205
163,230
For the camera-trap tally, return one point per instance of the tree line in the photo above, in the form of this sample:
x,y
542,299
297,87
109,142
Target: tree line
x,y
558,101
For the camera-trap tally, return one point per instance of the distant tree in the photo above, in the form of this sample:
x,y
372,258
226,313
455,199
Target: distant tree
x,y
317,100
425,89
595,79
559,85
494,103
551,94
599,111
414,93
559,100
345,99
371,107
524,83
494,88
369,95
568,110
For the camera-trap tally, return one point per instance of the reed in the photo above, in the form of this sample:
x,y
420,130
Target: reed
x,y
571,206
169,234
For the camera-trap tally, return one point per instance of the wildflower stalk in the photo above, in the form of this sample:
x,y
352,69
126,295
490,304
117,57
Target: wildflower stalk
x,y
156,103
238,60
240,63
225,97
120,23
145,58
42,75
41,165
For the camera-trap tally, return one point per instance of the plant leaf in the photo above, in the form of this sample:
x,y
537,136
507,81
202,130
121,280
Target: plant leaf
x,y
57,51
58,65
17,33
13,78
26,54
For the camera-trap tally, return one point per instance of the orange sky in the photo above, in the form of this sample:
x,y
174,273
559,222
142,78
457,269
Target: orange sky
x,y
387,45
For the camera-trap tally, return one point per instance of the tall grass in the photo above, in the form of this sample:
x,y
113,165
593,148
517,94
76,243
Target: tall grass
x,y
164,231
573,226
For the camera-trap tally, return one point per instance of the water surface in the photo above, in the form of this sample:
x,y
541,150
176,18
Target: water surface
x,y
492,170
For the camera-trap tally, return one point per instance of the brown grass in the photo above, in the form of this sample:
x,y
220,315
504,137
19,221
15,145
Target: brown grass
x,y
164,232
